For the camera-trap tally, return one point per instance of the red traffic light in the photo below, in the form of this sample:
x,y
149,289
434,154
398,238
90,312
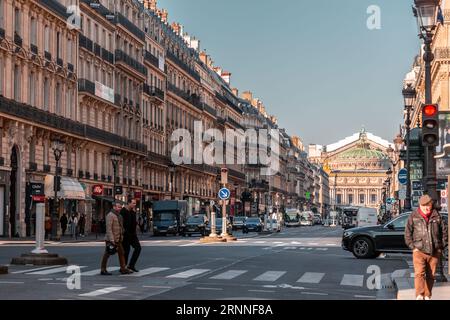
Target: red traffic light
x,y
430,110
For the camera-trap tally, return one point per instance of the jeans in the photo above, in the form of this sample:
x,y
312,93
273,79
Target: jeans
x,y
128,242
424,271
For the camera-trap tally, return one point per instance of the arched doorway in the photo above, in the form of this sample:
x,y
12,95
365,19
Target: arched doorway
x,y
14,192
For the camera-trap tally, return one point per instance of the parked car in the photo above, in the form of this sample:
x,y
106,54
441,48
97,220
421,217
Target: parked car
x,y
219,227
252,224
276,226
369,242
195,225
238,222
307,219
317,219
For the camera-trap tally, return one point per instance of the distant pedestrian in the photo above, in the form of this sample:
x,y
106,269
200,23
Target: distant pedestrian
x,y
81,224
73,223
114,237
425,234
130,238
63,222
48,226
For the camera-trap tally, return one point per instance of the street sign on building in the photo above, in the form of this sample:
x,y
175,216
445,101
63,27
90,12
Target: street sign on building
x,y
417,185
37,189
97,190
402,194
403,176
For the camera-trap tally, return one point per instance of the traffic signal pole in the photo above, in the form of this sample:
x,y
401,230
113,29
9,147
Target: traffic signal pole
x,y
430,162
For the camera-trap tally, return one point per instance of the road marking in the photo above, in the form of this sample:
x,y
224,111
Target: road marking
x,y
231,274
255,290
97,271
146,272
321,249
188,273
365,297
157,287
353,280
260,242
278,242
45,279
58,283
31,270
100,292
302,248
315,293
270,276
188,245
311,277
12,282
213,289
52,271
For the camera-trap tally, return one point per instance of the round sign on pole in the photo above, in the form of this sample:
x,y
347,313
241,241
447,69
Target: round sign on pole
x,y
403,176
224,194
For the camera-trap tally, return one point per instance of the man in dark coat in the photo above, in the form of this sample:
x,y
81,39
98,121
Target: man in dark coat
x,y
426,234
63,222
130,238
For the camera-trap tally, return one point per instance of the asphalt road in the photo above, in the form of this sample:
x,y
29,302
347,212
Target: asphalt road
x,y
296,264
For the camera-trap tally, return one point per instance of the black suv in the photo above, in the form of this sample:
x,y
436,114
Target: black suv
x,y
194,225
252,224
370,242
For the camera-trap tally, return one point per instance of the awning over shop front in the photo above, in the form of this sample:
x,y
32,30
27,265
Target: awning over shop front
x,y
71,189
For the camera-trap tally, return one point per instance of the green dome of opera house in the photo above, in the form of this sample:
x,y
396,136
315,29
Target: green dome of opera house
x,y
362,154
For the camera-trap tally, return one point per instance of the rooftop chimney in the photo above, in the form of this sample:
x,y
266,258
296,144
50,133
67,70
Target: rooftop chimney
x,y
150,4
247,95
235,92
226,76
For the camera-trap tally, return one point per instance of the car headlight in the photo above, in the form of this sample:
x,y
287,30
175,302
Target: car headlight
x,y
348,234
155,227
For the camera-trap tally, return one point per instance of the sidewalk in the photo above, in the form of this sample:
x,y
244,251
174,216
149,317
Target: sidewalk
x,y
65,239
404,281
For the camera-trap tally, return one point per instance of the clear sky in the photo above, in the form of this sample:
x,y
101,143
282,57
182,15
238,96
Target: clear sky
x,y
315,64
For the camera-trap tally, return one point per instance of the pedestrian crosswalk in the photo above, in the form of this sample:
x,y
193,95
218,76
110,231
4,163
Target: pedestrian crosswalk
x,y
252,275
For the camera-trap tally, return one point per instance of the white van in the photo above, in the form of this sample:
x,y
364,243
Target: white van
x,y
367,217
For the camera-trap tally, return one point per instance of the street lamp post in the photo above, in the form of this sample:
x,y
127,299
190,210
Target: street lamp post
x,y
115,158
58,148
172,169
409,95
426,12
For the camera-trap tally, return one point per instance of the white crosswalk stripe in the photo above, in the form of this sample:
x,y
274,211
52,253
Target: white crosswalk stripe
x,y
147,272
270,276
97,271
311,277
53,271
31,270
352,280
228,275
100,292
188,273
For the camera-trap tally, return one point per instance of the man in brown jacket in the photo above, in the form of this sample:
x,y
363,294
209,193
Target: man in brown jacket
x,y
425,234
114,236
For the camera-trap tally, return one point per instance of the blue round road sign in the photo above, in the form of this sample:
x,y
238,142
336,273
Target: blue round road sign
x,y
224,194
403,176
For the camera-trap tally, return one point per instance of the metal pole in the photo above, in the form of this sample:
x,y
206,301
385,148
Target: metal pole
x,y
115,174
408,160
448,224
54,219
430,176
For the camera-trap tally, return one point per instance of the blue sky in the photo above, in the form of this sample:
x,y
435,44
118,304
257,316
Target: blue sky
x,y
315,64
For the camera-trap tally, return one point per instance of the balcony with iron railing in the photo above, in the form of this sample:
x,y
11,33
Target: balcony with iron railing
x,y
209,109
151,59
121,19
226,101
154,92
189,70
191,98
69,126
133,63
88,44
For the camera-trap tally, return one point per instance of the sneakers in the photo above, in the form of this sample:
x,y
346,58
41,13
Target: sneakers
x,y
105,273
133,269
427,298
420,297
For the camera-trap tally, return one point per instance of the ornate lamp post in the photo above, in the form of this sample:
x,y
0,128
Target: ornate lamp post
x,y
172,169
58,149
115,158
409,95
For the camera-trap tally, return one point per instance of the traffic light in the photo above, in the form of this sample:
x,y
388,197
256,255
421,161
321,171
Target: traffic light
x,y
430,125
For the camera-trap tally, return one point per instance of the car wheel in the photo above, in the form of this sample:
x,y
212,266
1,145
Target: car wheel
x,y
362,248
